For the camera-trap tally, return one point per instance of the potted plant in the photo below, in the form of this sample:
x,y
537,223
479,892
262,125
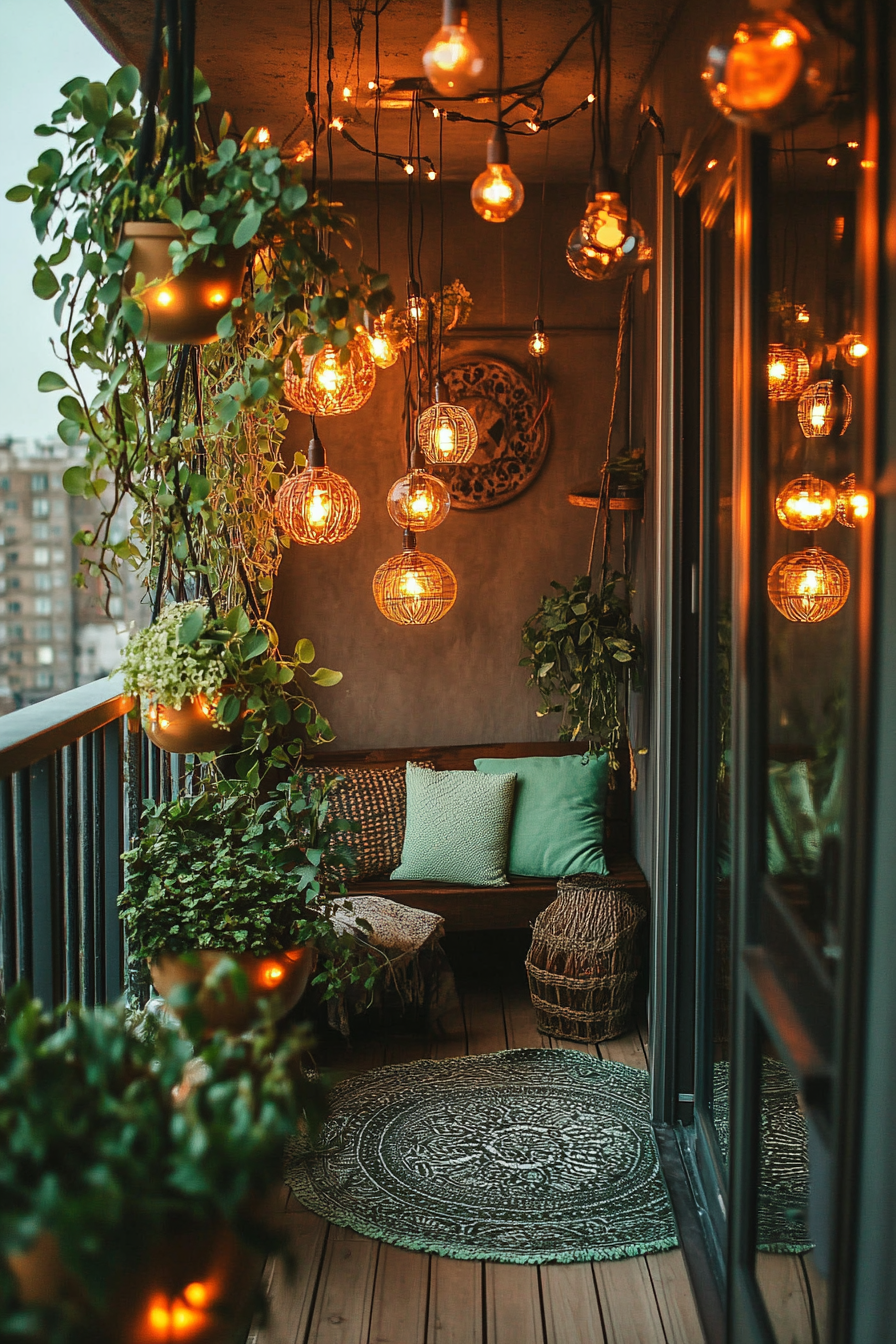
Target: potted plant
x,y
626,475
585,649
235,226
204,680
135,1171
227,877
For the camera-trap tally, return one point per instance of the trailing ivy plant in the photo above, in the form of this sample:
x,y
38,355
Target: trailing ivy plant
x,y
230,870
108,1146
230,661
585,651
144,430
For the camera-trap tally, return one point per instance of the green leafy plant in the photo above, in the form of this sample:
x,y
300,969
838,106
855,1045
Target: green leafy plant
x,y
627,470
146,427
229,870
229,661
112,1139
585,650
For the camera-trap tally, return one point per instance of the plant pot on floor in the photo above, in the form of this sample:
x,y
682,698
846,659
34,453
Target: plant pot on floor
x,y
192,728
224,1004
183,309
196,1284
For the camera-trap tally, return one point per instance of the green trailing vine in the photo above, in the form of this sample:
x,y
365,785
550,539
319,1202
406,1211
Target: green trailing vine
x,y
584,651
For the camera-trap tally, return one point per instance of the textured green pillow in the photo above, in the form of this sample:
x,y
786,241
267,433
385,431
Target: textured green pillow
x,y
458,825
558,820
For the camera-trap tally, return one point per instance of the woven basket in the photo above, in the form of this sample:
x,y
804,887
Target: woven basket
x,y
583,961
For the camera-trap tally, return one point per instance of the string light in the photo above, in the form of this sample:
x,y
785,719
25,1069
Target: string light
x,y
452,61
832,161
408,167
533,126
806,504
788,372
590,98
855,504
497,193
808,586
825,408
414,588
852,144
333,382
447,433
317,506
432,174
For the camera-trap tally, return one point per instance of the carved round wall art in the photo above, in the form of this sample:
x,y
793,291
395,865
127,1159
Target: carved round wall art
x,y
514,432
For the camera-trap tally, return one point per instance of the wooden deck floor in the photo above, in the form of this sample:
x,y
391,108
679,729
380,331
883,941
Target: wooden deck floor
x,y
351,1290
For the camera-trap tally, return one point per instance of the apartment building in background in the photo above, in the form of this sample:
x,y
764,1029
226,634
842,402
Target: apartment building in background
x,y
53,636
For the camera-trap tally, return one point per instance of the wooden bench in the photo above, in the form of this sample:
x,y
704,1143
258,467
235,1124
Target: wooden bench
x,y
515,906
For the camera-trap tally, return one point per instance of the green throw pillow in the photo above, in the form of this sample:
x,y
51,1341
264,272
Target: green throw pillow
x,y
457,829
558,820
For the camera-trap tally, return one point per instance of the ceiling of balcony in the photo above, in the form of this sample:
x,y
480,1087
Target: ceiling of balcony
x,y
255,58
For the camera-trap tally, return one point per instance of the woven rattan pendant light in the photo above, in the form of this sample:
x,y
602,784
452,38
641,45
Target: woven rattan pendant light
x,y
414,588
317,506
333,382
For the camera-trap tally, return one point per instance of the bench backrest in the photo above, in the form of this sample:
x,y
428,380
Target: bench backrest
x,y
462,758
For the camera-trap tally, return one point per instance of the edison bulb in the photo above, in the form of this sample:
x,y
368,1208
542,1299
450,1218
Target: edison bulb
x,y
333,382
418,501
854,347
809,586
855,504
451,59
538,341
497,193
382,347
607,243
772,72
806,504
447,434
317,507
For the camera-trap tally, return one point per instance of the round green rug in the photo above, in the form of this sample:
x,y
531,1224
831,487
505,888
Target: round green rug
x,y
526,1156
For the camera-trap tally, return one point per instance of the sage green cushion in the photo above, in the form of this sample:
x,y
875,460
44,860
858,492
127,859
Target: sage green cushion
x,y
558,820
458,826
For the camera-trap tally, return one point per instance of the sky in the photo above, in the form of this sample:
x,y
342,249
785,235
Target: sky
x,y
43,46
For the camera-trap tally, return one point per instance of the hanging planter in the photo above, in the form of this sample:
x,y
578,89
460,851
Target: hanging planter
x,y
231,1003
190,729
183,309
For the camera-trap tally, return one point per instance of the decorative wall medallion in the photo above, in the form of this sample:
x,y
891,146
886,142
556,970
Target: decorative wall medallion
x,y
514,433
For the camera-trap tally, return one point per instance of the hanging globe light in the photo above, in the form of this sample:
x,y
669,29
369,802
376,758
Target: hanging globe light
x,y
806,504
317,506
447,433
414,588
606,243
772,73
538,341
788,372
825,409
808,586
497,193
452,60
855,504
419,500
333,382
382,345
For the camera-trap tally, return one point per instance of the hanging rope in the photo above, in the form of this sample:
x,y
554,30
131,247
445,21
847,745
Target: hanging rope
x,y
603,506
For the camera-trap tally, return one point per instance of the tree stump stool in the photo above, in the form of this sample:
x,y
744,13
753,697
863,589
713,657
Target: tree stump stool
x,y
583,961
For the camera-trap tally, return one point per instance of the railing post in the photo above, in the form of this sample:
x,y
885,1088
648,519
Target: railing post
x,y
7,890
21,812
69,755
113,839
45,911
86,872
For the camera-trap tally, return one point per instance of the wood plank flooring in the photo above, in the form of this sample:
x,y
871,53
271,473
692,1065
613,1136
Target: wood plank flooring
x,y
351,1290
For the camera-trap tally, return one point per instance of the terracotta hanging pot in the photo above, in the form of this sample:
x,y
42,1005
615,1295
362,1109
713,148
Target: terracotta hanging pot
x,y
194,1283
285,974
192,728
183,309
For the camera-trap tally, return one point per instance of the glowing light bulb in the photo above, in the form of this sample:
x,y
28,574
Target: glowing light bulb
x,y
414,588
590,98
329,375
432,174
409,168
788,372
271,975
447,433
806,504
196,1295
607,242
262,137
317,506
533,126
446,441
164,298
710,164
854,348
832,160
825,408
337,124
808,586
382,347
855,504
802,313
772,72
452,61
346,93
538,341
411,585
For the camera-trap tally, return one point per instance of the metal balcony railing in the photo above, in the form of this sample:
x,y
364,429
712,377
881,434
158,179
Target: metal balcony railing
x,y
74,774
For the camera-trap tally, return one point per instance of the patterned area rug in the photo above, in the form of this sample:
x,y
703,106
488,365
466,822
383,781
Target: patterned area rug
x,y
526,1156
783,1158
